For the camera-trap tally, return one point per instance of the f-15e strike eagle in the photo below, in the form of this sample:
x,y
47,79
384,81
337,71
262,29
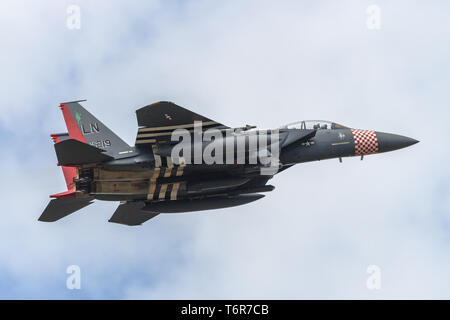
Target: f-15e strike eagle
x,y
183,161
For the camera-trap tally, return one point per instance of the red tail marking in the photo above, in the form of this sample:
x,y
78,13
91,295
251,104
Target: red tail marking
x,y
55,137
72,127
66,195
69,172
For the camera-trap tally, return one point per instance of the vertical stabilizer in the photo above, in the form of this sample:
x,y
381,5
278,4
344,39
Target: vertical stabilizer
x,y
84,127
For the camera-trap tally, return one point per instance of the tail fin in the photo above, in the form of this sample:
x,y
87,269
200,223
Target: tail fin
x,y
72,152
59,208
84,127
69,172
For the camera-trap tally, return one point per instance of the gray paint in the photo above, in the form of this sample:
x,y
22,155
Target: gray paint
x,y
97,134
326,144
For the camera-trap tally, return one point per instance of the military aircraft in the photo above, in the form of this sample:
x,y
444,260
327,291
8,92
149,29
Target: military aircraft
x,y
183,161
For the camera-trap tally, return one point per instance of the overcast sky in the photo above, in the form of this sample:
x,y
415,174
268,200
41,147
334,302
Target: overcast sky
x,y
263,63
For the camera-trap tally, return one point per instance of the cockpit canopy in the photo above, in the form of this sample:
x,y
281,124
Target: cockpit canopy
x,y
314,125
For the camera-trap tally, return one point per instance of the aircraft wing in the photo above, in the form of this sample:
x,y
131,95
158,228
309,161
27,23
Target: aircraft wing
x,y
130,214
157,121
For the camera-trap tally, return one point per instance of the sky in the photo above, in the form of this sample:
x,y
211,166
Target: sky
x,y
261,63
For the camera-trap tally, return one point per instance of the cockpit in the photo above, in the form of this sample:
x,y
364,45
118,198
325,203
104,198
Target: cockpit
x,y
314,125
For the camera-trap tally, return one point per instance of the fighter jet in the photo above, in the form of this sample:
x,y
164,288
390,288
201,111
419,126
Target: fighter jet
x,y
183,161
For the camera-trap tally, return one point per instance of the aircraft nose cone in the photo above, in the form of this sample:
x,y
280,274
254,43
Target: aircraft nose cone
x,y
389,141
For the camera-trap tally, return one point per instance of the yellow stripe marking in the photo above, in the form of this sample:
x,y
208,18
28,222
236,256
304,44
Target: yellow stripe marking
x,y
157,160
167,172
156,156
174,193
149,135
145,141
190,125
339,143
162,192
165,133
169,162
151,190
152,184
179,171
155,174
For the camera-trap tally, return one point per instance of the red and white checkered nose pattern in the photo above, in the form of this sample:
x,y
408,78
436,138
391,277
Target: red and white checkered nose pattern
x,y
366,142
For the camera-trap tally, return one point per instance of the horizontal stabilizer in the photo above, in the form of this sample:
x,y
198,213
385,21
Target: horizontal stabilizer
x,y
130,214
59,208
69,172
73,152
